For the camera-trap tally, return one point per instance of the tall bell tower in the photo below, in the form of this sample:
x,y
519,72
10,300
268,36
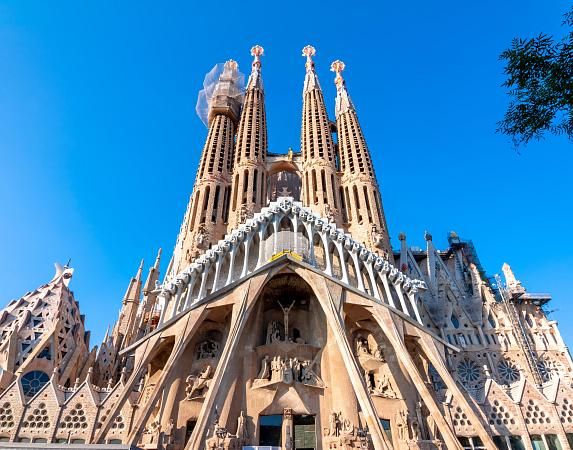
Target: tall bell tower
x,y
361,195
320,178
208,208
249,175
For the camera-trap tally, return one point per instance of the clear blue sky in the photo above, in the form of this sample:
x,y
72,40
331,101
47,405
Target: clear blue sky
x,y
99,141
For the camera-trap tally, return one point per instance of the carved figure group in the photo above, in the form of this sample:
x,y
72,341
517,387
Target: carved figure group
x,y
197,385
382,386
202,238
338,425
405,422
222,439
207,349
273,332
287,370
362,348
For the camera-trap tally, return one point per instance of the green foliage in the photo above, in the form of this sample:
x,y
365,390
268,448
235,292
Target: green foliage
x,y
540,83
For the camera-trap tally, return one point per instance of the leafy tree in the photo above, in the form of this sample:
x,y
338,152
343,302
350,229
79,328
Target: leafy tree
x,y
540,81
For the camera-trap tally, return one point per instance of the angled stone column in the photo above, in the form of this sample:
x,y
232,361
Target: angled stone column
x,y
241,313
386,322
336,322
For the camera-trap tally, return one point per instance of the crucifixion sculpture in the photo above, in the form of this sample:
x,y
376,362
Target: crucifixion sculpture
x,y
286,312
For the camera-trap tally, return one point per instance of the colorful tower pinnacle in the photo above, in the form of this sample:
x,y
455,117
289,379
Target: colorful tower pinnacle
x,y
249,175
320,178
361,199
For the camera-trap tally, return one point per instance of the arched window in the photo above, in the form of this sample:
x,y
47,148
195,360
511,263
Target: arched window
x,y
284,184
33,381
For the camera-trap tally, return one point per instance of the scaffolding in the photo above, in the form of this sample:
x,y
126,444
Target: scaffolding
x,y
519,330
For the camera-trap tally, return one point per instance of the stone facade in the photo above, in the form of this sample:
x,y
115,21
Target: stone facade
x,y
287,321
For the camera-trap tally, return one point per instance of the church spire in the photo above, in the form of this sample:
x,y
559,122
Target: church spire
x,y
249,175
255,79
363,205
124,327
310,79
208,208
320,178
343,101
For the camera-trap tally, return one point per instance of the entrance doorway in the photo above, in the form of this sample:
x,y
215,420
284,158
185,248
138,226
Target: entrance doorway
x,y
304,432
270,430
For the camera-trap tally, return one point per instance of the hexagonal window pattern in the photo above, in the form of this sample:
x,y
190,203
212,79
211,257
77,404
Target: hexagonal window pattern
x,y
33,381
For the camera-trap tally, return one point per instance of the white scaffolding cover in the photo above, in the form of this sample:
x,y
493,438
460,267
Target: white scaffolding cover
x,y
223,79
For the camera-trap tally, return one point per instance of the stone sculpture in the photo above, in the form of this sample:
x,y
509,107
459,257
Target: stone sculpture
x,y
287,370
197,385
207,349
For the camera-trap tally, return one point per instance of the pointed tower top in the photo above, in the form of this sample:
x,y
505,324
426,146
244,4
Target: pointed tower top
x,y
338,67
231,65
255,80
138,276
343,102
310,80
309,51
157,259
257,51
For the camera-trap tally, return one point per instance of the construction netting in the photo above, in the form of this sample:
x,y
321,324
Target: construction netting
x,y
224,79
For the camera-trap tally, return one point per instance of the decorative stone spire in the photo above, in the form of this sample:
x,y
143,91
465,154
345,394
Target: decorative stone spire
x,y
153,275
249,175
123,331
320,177
362,202
343,101
255,79
311,79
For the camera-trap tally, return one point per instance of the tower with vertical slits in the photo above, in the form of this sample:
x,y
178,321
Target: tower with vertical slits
x,y
208,209
359,191
319,173
249,174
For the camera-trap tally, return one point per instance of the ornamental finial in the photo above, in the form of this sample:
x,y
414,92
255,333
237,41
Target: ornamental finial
x,y
337,67
309,51
257,51
231,64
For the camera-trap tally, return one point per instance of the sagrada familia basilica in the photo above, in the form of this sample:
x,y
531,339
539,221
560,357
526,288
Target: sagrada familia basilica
x,y
286,320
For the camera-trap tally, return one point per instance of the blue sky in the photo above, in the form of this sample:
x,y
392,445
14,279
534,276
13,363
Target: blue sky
x,y
99,141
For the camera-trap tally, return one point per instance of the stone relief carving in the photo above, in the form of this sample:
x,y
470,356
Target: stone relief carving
x,y
344,433
279,331
242,431
377,236
273,332
401,420
338,425
168,433
202,238
382,386
370,354
198,384
151,432
288,371
328,213
222,439
207,349
246,212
